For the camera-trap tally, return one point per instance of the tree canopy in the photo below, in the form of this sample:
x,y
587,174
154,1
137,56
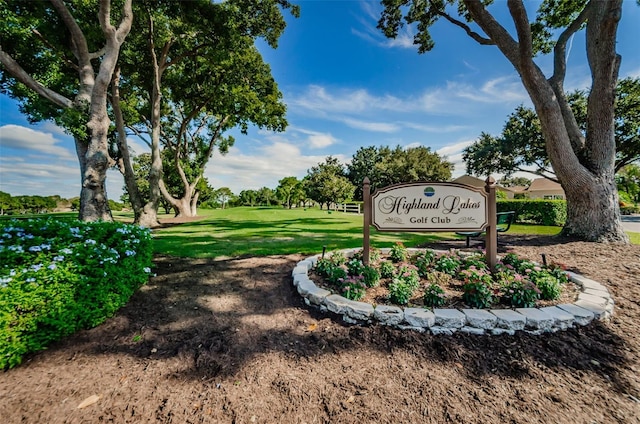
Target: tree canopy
x,y
384,166
521,146
583,161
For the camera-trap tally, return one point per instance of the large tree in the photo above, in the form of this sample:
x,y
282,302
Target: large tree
x,y
327,183
384,166
180,59
584,162
521,146
58,61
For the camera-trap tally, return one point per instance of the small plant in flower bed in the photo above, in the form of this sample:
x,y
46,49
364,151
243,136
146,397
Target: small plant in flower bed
x,y
449,263
400,291
352,287
387,269
355,267
434,296
398,253
374,254
423,262
434,279
57,277
477,287
371,276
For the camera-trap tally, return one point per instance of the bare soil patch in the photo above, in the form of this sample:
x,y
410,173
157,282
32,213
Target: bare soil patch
x,y
230,341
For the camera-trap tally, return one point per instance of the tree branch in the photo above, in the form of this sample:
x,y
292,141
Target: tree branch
x,y
63,57
474,35
21,75
523,29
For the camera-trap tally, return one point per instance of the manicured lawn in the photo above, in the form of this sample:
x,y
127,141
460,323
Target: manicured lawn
x,y
274,231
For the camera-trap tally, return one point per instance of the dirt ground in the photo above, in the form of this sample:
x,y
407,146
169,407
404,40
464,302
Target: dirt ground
x,y
230,341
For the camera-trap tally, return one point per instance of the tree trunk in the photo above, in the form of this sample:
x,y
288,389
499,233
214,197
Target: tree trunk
x,y
125,165
587,176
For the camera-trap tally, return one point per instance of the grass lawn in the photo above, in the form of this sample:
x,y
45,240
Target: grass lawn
x,y
273,231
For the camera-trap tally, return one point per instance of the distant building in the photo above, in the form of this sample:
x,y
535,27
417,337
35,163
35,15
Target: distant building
x,y
477,182
540,188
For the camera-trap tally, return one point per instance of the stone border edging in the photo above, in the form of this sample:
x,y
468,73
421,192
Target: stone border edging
x,y
594,302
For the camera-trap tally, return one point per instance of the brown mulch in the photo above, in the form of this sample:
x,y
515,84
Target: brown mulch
x,y
230,341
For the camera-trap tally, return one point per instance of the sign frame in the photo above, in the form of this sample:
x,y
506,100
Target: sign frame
x,y
395,197
491,243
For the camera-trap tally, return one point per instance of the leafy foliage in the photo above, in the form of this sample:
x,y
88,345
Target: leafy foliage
x,y
57,277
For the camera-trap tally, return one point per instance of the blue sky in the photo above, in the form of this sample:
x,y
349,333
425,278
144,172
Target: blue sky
x,y
346,87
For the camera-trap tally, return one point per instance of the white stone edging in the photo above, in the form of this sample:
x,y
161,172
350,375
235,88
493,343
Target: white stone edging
x,y
594,302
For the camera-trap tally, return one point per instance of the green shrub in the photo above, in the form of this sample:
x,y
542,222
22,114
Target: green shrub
x,y
387,270
477,294
538,211
398,253
352,287
409,274
371,276
355,267
549,286
434,296
448,263
520,293
57,277
423,261
400,292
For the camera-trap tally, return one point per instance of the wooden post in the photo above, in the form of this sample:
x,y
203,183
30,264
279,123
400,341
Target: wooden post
x,y
366,195
491,242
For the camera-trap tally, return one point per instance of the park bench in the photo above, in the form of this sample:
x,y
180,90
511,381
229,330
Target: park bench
x,y
503,223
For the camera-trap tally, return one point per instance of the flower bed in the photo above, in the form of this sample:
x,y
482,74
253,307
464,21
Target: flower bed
x,y
431,279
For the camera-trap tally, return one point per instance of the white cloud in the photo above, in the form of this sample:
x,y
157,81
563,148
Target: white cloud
x,y
269,164
371,126
370,33
21,177
453,153
315,139
36,142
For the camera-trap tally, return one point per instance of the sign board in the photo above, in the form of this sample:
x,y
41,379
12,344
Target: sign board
x,y
430,207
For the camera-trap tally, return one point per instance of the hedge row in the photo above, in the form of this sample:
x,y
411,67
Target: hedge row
x,y
58,277
543,212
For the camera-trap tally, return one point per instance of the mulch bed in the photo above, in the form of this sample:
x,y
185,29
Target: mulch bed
x,y
230,341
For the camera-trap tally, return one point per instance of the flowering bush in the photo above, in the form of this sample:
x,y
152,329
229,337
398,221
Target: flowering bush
x,y
516,282
355,267
400,292
409,274
434,296
57,277
352,287
448,263
371,276
387,269
423,261
520,293
398,253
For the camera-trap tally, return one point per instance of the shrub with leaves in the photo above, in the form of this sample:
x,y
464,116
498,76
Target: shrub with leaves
x,y
398,253
324,267
448,263
549,286
371,276
57,277
409,274
387,269
338,258
519,292
434,296
352,287
423,261
400,292
355,267
477,294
